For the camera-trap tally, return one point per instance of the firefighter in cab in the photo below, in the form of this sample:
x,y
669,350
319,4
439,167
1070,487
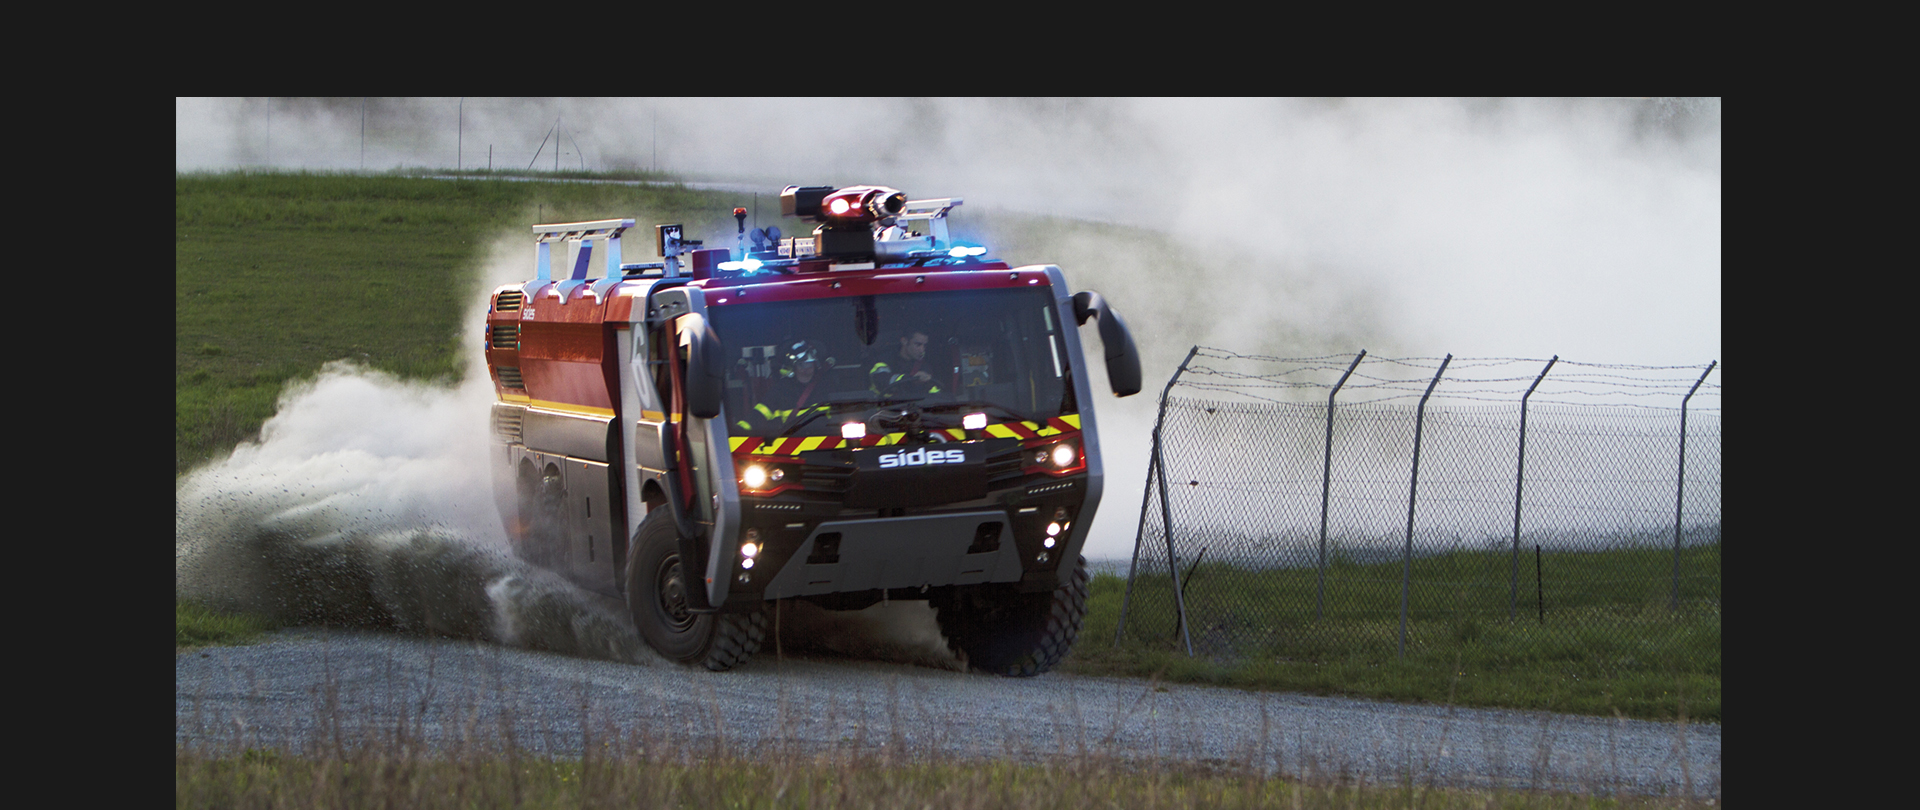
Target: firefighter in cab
x,y
910,380
797,390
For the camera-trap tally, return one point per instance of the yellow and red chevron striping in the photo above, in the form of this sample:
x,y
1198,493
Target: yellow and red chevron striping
x,y
794,445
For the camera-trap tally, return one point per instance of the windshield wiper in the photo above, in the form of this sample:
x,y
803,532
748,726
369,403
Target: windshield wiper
x,y
844,407
1004,410
795,427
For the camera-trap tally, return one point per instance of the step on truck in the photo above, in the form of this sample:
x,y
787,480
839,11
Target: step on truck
x,y
871,412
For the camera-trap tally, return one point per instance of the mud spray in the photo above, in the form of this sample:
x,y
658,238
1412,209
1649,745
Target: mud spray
x,y
367,504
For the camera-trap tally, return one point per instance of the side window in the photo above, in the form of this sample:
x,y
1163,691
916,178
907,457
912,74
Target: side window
x,y
648,387
657,346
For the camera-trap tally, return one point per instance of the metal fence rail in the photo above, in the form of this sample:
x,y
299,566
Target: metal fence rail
x,y
1311,507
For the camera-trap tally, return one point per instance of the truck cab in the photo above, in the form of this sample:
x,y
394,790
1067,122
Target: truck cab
x,y
870,412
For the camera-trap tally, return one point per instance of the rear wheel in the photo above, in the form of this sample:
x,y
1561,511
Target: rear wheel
x,y
1002,631
659,587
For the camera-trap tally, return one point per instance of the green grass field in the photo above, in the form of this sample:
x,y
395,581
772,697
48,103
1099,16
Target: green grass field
x,y
194,625
278,274
1609,642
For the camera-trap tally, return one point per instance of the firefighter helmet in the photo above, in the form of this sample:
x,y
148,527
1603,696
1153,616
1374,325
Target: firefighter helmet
x,y
804,351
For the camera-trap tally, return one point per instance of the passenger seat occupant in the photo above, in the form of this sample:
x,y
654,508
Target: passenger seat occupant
x,y
796,392
912,380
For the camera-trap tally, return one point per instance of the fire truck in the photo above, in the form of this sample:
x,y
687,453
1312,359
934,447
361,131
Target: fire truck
x,y
872,412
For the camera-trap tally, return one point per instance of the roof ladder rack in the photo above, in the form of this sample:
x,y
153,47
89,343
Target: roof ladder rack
x,y
935,212
579,238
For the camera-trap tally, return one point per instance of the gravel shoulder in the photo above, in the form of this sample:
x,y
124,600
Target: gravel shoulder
x,y
301,687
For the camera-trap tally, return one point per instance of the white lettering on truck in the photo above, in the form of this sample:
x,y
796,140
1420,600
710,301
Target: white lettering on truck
x,y
921,457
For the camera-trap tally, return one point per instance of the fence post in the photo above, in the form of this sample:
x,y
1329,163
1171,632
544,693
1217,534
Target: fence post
x,y
1326,486
1519,480
1680,492
1156,468
1139,533
1406,571
1166,513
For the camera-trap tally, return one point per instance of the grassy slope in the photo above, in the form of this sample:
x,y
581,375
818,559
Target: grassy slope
x,y
277,274
195,626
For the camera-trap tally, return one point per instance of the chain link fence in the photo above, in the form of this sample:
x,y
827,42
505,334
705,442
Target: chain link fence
x,y
1315,508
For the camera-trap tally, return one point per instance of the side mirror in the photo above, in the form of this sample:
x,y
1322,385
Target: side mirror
x,y
706,367
1123,360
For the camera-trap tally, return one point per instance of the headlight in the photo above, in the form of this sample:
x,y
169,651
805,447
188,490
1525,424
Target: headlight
x,y
1064,455
755,476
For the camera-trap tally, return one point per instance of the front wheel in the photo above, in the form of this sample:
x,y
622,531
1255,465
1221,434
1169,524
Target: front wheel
x,y
658,590
1018,634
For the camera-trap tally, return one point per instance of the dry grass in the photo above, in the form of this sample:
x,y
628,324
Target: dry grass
x,y
367,778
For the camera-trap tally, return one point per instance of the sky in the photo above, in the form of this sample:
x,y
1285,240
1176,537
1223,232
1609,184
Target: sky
x,y
1583,228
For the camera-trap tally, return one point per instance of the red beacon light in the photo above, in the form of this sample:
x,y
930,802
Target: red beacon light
x,y
869,221
862,204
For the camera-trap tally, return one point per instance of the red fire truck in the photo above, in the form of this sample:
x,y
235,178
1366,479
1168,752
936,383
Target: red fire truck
x,y
870,412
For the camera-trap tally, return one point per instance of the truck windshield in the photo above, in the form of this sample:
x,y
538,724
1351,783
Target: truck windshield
x,y
803,368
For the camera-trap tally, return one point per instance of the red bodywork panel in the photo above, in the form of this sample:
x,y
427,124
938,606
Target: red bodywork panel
x,y
564,353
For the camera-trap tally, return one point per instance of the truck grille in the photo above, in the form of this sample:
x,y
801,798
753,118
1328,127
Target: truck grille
x,y
505,336
509,301
818,478
510,376
1003,467
1053,487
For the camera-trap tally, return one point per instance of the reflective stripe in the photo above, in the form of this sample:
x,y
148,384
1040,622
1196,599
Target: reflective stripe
x,y
794,445
892,379
567,407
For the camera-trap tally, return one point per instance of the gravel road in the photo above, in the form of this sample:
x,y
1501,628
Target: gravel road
x,y
449,692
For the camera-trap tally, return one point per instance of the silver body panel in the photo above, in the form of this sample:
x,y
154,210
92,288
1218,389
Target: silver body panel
x,y
567,434
900,552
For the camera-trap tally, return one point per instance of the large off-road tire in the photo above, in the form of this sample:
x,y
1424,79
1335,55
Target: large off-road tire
x,y
1004,632
657,592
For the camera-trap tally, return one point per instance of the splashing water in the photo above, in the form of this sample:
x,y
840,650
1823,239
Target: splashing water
x,y
366,503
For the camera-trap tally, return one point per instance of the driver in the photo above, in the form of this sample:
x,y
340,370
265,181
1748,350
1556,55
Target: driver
x,y
797,392
911,379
